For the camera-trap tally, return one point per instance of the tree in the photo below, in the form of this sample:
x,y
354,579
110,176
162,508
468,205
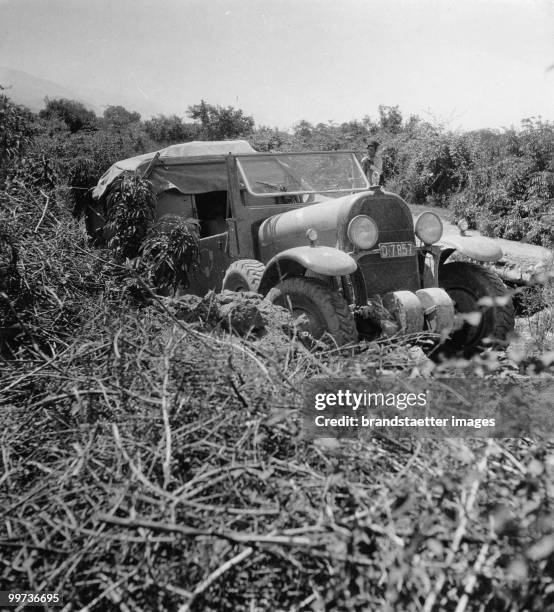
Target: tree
x,y
169,129
390,119
265,139
303,129
75,114
118,116
218,123
370,126
352,135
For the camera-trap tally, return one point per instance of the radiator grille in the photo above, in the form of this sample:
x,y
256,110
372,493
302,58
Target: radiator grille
x,y
384,275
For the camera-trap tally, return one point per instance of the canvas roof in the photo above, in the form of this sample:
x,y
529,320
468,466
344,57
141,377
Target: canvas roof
x,y
184,169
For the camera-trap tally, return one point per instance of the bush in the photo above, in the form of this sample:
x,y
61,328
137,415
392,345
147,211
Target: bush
x,y
426,165
169,252
118,116
130,205
73,113
267,139
83,157
218,123
52,274
167,130
16,131
510,191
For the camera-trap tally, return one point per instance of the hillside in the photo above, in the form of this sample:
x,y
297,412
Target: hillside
x,y
30,91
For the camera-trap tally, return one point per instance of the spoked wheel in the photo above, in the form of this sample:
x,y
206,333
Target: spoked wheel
x,y
320,311
467,283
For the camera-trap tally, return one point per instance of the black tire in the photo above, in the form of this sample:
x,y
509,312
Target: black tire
x,y
244,275
327,311
466,283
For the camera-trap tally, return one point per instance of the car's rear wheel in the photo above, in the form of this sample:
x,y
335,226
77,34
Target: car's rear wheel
x,y
467,283
244,275
321,311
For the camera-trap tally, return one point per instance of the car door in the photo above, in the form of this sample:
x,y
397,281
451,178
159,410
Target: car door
x,y
213,258
213,262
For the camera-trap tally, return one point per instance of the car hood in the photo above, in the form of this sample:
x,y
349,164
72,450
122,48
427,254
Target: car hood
x,y
330,219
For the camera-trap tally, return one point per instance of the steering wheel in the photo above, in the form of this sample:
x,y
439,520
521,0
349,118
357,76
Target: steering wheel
x,y
305,198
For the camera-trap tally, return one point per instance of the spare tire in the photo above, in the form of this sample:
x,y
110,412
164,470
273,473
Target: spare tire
x,y
244,275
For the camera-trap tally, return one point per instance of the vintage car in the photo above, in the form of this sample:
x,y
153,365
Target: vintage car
x,y
310,233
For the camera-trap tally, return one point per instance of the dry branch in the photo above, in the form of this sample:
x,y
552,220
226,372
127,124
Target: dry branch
x,y
231,536
468,501
209,580
43,211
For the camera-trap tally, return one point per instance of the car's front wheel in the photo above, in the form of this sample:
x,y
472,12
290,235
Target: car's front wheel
x,y
468,283
320,310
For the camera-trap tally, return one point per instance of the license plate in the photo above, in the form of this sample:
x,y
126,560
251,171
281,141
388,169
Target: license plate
x,y
397,249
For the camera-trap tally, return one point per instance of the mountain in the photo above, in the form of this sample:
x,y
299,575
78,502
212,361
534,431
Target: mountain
x,y
28,90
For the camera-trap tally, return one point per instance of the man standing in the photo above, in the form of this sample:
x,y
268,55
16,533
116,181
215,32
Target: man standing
x,y
372,163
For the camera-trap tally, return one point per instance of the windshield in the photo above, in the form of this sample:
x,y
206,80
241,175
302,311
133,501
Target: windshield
x,y
272,174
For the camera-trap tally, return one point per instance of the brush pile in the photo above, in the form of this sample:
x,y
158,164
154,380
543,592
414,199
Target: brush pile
x,y
152,465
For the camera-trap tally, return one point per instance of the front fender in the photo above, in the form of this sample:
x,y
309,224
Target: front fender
x,y
477,248
323,260
319,259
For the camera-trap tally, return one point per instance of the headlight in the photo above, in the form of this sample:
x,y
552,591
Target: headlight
x,y
362,232
428,227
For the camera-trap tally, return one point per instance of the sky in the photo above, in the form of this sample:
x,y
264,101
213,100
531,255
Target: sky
x,y
467,64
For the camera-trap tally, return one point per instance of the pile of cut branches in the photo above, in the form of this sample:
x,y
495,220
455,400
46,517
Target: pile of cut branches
x,y
152,465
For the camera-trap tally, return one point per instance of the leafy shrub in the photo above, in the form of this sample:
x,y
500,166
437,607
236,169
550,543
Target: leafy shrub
x,y
166,130
82,179
130,205
36,169
23,163
75,114
169,252
118,116
510,191
218,123
390,119
329,136
16,131
267,139
427,166
85,156
8,263
51,282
